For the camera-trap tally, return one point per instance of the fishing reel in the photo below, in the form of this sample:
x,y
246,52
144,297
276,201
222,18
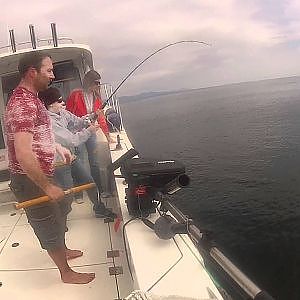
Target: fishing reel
x,y
89,119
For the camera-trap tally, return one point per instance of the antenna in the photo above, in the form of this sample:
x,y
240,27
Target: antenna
x,y
12,40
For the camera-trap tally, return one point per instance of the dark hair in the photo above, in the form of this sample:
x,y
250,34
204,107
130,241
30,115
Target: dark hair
x,y
89,78
50,96
31,60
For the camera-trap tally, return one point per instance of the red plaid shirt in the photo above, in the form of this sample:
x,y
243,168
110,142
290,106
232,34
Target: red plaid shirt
x,y
26,113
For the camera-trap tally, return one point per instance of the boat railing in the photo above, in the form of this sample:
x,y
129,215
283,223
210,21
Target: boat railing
x,y
235,279
34,42
107,93
40,43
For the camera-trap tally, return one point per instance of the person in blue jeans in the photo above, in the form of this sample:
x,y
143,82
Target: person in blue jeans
x,y
69,130
90,145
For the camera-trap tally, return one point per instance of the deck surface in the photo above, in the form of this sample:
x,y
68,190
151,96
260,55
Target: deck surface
x,y
159,267
26,271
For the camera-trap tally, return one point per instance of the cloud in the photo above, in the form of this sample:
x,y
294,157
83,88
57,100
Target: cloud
x,y
250,39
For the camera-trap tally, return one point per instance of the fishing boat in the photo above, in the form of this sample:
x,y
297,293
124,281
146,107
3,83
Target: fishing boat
x,y
152,252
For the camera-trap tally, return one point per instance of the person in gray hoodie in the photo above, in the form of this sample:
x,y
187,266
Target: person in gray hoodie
x,y
70,131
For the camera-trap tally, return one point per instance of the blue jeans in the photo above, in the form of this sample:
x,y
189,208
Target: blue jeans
x,y
65,175
91,145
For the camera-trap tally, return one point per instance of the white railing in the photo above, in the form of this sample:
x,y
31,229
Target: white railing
x,y
140,295
40,43
106,91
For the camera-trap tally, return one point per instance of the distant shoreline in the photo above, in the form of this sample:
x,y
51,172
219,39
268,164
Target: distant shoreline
x,y
146,95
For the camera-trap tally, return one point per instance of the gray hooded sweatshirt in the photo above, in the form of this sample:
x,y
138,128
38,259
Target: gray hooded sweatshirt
x,y
68,129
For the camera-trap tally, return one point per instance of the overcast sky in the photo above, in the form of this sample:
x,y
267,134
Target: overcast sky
x,y
250,40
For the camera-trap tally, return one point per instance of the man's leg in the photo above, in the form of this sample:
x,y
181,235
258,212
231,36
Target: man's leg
x,y
52,239
47,228
51,235
70,253
66,273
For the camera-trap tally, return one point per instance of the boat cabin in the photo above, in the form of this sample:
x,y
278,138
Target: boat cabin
x,y
71,62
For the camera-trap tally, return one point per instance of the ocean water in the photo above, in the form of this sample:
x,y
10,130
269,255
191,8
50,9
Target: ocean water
x,y
241,147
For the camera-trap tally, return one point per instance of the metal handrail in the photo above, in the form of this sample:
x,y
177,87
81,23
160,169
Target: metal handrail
x,y
3,47
48,40
204,247
113,101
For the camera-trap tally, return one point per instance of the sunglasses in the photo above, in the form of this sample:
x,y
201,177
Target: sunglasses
x,y
60,99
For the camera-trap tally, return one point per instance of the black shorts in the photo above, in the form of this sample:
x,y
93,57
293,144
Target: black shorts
x,y
48,219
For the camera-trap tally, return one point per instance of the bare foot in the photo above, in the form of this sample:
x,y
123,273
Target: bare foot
x,y
77,278
71,254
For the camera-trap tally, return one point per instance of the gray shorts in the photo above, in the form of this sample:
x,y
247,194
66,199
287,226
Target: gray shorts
x,y
48,219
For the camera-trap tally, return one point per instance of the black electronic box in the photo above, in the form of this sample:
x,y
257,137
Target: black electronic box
x,y
144,178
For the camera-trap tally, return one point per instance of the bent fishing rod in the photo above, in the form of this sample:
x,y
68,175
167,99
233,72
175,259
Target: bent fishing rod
x,y
145,59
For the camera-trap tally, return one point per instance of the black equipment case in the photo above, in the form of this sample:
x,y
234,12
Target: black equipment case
x,y
151,172
145,177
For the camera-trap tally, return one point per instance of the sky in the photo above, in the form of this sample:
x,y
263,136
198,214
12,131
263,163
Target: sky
x,y
249,39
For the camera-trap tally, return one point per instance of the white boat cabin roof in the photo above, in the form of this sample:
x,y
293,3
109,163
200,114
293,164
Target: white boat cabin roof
x,y
9,61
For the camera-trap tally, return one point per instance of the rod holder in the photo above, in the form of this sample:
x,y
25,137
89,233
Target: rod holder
x,y
32,36
12,40
54,35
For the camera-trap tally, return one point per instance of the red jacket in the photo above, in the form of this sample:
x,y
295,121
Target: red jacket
x,y
76,105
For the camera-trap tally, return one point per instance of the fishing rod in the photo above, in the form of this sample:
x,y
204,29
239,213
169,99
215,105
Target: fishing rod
x,y
145,59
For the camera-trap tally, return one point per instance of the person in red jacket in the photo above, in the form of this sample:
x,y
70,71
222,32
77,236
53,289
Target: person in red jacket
x,y
86,101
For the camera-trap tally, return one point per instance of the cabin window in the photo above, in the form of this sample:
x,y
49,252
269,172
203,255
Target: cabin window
x,y
67,77
66,74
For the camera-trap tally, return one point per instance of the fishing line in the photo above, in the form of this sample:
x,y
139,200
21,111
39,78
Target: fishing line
x,y
145,59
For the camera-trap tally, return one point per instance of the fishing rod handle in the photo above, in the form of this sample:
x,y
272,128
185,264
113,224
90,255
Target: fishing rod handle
x,y
43,199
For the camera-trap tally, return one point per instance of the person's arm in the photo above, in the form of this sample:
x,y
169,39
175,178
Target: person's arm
x,y
65,153
30,165
101,120
66,137
103,125
77,122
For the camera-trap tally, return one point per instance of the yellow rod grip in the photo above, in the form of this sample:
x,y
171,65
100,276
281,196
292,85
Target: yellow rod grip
x,y
43,199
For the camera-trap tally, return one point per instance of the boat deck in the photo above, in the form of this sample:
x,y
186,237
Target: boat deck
x,y
26,272
165,269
